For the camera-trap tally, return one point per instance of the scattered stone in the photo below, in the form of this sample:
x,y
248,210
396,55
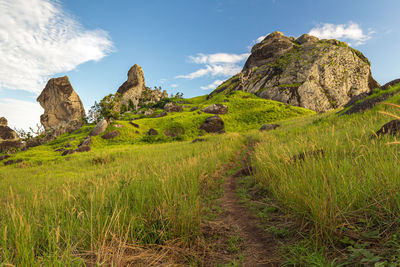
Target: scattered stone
x,y
198,140
268,127
153,132
134,124
86,142
392,128
4,157
60,150
194,108
174,131
83,149
68,152
172,107
213,124
110,135
162,114
118,126
216,109
315,74
63,109
100,128
67,145
137,132
199,112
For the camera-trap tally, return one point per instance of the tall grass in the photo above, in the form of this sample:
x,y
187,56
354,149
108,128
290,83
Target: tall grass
x,y
77,211
334,173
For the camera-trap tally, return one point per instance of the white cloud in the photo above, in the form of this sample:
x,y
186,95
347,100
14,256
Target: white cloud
x,y
174,85
347,32
213,85
259,39
218,58
20,114
38,39
219,64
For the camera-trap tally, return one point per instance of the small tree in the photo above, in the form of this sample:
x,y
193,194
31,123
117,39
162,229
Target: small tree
x,y
94,114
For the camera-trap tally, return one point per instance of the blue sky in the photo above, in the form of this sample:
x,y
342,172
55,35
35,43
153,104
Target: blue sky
x,y
183,45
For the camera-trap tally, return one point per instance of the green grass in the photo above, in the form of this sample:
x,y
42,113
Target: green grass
x,y
89,207
350,189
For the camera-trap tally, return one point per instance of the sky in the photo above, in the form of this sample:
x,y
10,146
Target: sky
x,y
182,45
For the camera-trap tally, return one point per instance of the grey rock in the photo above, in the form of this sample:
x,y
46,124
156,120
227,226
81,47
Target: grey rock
x,y
216,109
213,124
172,107
110,135
268,127
153,132
392,128
100,128
162,114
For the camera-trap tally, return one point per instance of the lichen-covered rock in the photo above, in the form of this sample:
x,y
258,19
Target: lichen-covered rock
x,y
63,108
316,74
213,124
216,109
9,139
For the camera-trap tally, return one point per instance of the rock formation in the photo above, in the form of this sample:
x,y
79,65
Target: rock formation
x,y
9,139
213,124
134,91
316,74
63,109
216,109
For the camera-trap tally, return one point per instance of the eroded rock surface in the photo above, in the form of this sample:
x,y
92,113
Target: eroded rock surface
x,y
63,108
213,124
9,139
315,74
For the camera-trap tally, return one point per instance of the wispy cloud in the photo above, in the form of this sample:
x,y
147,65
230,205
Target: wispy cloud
x,y
213,85
38,39
346,32
219,64
174,85
20,114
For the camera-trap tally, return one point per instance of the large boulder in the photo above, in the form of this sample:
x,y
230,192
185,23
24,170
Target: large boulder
x,y
63,108
316,74
213,124
100,128
216,109
9,139
134,91
392,127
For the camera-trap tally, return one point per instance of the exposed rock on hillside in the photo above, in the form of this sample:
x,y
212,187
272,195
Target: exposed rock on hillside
x,y
213,124
100,128
9,139
316,74
392,128
268,127
216,109
134,91
172,107
63,108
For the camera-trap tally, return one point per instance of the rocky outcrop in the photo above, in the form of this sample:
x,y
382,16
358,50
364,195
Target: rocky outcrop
x,y
63,109
9,139
316,74
134,92
392,128
216,109
110,135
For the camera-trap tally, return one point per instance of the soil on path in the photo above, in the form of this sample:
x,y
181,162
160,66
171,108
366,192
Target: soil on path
x,y
258,247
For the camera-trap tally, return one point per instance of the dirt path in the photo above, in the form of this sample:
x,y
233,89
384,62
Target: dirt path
x,y
257,247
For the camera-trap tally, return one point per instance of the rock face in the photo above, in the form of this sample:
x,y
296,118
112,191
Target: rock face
x,y
134,91
62,106
213,124
316,74
216,109
9,139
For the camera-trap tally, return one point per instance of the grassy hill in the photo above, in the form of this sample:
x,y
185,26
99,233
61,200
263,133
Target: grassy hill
x,y
328,180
